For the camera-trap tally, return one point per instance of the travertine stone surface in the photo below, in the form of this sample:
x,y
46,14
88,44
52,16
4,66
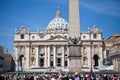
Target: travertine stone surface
x,y
74,22
74,51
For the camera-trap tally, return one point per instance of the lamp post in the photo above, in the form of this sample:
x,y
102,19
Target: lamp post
x,y
91,44
91,59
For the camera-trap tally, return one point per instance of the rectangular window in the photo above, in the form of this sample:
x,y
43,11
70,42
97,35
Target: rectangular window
x,y
107,53
42,49
59,49
51,63
41,62
22,36
66,63
58,61
94,35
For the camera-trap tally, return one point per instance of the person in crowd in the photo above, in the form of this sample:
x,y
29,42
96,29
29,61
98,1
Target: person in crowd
x,y
86,77
71,77
114,77
97,77
76,76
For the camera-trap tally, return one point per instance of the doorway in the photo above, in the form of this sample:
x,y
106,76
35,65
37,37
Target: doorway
x,y
96,63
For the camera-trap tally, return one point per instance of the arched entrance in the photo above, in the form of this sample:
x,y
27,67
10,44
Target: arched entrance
x,y
96,58
20,62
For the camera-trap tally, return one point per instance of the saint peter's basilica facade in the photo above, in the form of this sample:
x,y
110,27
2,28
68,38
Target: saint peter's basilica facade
x,y
49,50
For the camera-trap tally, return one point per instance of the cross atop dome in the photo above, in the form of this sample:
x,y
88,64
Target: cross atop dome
x,y
58,13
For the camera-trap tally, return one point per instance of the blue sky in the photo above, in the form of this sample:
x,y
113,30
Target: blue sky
x,y
33,14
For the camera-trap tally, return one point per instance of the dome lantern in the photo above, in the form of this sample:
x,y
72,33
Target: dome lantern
x,y
58,13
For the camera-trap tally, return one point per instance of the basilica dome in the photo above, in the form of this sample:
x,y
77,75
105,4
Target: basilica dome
x,y
58,23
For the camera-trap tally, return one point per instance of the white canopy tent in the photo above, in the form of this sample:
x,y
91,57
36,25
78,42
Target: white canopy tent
x,y
106,68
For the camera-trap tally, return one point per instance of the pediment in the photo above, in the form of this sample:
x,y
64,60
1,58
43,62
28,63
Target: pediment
x,y
22,30
58,38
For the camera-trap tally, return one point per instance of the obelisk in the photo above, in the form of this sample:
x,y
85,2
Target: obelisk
x,y
74,42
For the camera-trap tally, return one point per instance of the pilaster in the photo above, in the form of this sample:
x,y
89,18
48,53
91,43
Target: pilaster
x,y
37,56
54,56
27,51
16,53
63,56
48,56
16,58
45,56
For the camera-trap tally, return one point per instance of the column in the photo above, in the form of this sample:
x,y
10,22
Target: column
x,y
16,58
27,51
68,62
63,56
68,55
37,56
45,56
54,56
89,55
100,57
48,56
16,53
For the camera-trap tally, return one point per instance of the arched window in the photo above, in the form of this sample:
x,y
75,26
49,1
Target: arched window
x,y
21,61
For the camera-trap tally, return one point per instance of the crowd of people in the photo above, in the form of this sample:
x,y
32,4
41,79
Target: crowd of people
x,y
74,76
